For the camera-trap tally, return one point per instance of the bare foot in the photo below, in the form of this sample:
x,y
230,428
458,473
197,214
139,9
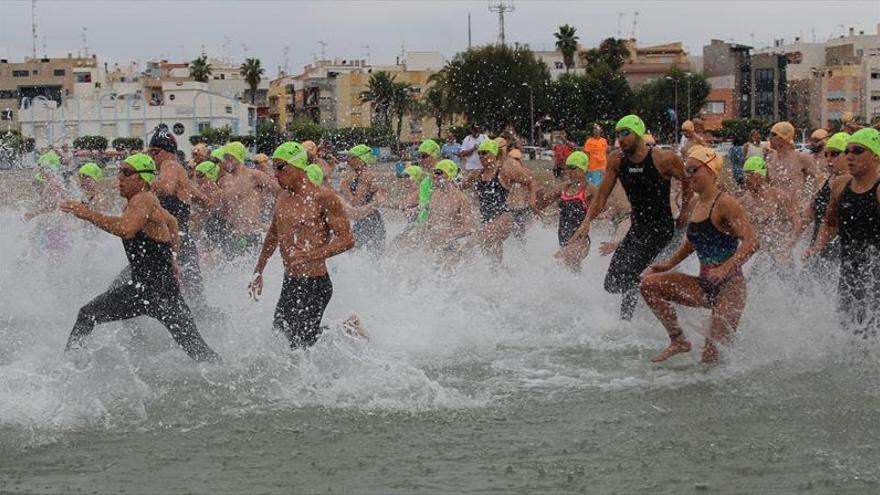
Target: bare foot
x,y
353,327
676,347
710,352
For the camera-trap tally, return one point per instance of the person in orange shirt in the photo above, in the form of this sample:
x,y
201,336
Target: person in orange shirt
x,y
596,147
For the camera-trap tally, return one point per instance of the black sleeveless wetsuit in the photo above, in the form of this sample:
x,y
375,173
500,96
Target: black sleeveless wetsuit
x,y
492,197
859,283
652,229
820,205
152,291
190,273
572,212
368,232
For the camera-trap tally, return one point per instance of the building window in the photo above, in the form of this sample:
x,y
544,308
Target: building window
x,y
20,73
84,77
203,127
559,65
229,110
7,94
875,95
875,75
716,107
6,114
59,72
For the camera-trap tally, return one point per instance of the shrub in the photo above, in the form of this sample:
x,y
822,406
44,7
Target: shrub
x,y
92,143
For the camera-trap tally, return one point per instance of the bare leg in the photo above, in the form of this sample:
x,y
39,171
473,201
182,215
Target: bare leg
x,y
725,317
660,292
494,234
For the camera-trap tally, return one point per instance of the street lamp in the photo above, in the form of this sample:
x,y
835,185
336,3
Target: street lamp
x,y
675,111
531,113
688,76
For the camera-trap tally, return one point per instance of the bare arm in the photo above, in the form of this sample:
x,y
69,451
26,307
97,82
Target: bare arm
x,y
270,243
166,180
126,226
342,239
472,177
609,180
522,176
734,216
681,254
672,166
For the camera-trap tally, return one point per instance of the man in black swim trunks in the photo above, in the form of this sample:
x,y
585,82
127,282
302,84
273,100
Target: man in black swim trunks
x,y
309,225
150,237
644,172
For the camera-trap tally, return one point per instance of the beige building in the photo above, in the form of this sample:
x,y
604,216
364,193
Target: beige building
x,y
648,63
51,78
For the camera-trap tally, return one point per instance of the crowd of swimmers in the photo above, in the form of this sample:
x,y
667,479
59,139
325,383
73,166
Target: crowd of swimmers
x,y
669,205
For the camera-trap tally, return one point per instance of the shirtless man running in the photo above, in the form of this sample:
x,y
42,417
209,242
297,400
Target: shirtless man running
x,y
452,216
788,169
772,211
245,192
309,225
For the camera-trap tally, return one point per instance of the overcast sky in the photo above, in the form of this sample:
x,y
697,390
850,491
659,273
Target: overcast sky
x,y
120,31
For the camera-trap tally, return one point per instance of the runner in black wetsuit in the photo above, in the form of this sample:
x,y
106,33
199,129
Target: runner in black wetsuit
x,y
368,229
854,214
175,192
148,233
644,173
723,241
835,157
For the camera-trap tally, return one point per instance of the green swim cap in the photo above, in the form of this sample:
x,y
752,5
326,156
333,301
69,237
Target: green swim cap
x,y
414,172
578,159
757,165
867,137
91,170
489,145
315,174
144,165
210,169
292,153
633,123
364,153
50,160
236,149
448,167
430,147
837,142
217,154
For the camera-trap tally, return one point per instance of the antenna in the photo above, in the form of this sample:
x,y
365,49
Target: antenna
x,y
323,49
226,42
367,50
45,51
286,59
635,20
244,49
501,9
619,24
34,26
85,49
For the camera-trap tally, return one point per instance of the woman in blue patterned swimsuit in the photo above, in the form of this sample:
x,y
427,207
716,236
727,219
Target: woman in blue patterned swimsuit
x,y
723,239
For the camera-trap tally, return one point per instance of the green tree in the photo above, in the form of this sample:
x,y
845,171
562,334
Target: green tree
x,y
491,85
612,53
566,42
438,103
380,92
199,69
577,101
656,98
402,102
253,74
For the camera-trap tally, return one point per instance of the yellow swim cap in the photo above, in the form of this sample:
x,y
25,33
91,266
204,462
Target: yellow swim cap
x,y
708,157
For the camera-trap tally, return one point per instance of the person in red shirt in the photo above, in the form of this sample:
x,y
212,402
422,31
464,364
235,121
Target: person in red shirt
x,y
596,147
561,150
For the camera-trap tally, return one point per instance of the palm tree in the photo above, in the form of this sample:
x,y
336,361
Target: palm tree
x,y
200,69
438,103
253,74
402,102
566,42
380,92
612,53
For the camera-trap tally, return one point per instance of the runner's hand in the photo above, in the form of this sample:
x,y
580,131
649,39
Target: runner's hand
x,y
607,248
255,288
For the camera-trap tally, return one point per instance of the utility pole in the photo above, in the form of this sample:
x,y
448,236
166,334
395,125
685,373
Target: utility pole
x,y
367,51
635,20
619,24
34,27
469,30
323,49
286,60
501,9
